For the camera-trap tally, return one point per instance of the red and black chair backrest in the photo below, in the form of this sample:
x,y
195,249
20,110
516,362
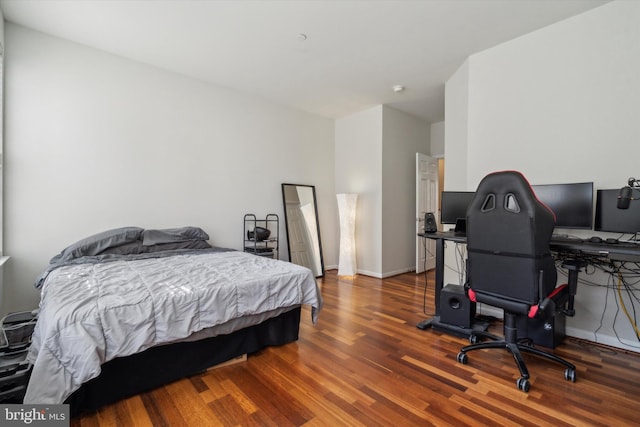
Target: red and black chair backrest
x,y
508,236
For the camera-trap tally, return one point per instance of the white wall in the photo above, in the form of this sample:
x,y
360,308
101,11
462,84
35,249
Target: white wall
x,y
455,155
437,139
375,158
456,129
561,105
403,135
570,90
94,141
358,169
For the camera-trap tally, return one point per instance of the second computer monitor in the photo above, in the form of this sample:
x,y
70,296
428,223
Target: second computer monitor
x,y
610,218
572,203
454,205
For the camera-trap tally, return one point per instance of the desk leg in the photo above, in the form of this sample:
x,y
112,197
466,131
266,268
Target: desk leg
x,y
439,281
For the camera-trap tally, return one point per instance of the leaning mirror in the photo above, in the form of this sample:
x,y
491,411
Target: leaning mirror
x,y
303,231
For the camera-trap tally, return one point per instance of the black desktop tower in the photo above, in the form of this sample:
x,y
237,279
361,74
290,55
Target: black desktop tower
x,y
455,307
547,333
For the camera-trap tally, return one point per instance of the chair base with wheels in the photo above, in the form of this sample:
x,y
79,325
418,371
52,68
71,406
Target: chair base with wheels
x,y
516,348
510,266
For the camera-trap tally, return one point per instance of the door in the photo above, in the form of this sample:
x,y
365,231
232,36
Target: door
x,y
426,201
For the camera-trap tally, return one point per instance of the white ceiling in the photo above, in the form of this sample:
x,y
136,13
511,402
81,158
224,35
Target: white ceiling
x,y
354,53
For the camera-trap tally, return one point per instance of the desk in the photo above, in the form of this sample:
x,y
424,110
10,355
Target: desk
x,y
622,251
581,250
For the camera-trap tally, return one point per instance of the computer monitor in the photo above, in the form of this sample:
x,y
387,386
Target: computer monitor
x,y
610,218
453,205
572,203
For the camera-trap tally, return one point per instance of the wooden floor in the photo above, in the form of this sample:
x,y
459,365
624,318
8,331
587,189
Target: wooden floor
x,y
365,363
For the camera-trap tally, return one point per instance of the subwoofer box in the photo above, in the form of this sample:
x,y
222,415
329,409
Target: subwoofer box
x,y
455,307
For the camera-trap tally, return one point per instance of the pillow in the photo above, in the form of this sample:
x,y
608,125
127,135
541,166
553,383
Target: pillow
x,y
189,244
97,243
171,235
132,248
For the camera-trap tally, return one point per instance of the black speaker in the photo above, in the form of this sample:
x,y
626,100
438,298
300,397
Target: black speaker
x,y
455,307
430,225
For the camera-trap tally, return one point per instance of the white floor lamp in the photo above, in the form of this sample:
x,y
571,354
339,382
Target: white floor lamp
x,y
347,212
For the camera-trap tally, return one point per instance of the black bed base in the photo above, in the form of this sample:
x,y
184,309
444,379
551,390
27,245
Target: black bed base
x,y
127,376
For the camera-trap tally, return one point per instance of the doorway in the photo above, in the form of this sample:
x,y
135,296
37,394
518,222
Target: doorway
x,y
427,201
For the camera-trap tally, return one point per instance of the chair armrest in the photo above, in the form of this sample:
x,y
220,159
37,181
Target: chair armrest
x,y
547,308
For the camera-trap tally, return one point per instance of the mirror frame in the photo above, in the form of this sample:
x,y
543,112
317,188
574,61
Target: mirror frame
x,y
286,222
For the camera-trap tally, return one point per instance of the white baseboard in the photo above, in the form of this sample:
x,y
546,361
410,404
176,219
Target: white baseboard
x,y
609,340
375,274
395,273
370,273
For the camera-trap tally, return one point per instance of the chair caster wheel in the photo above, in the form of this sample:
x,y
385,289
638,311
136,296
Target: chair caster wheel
x,y
463,358
570,375
523,384
473,339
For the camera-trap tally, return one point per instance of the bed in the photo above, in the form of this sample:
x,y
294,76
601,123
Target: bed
x,y
130,309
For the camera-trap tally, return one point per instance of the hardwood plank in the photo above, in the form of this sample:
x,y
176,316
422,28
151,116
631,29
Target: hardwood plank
x,y
152,407
137,413
366,364
193,410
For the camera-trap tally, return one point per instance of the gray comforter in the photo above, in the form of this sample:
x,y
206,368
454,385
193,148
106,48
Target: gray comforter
x,y
98,309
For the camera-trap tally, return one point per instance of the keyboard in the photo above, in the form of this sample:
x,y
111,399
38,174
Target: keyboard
x,y
566,238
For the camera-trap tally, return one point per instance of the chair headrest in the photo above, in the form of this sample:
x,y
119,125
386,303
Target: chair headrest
x,y
503,183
